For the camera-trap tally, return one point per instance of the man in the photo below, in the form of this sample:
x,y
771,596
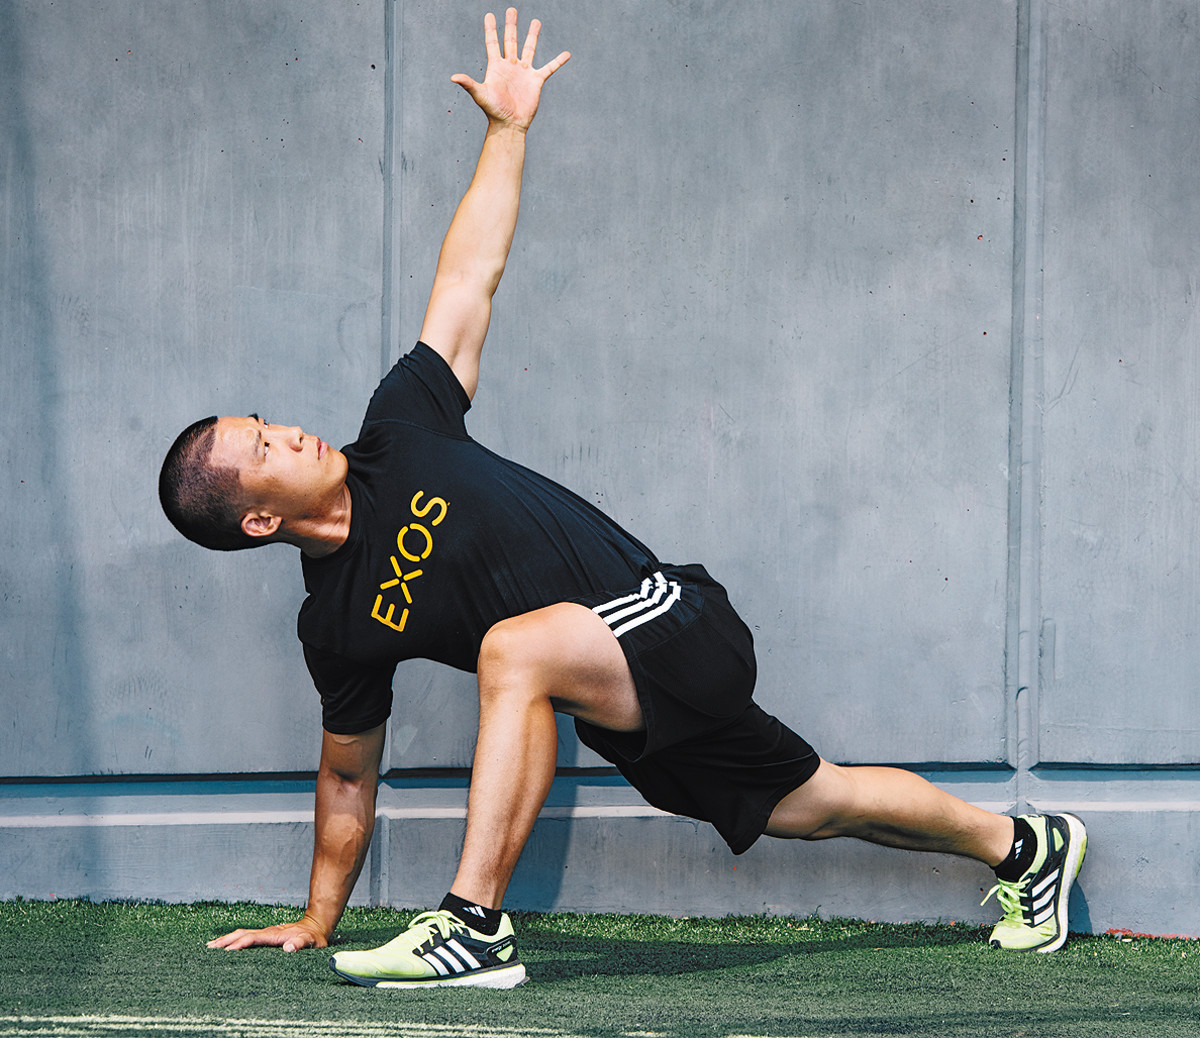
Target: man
x,y
418,542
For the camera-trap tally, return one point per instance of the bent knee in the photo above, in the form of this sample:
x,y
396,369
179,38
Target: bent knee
x,y
521,637
504,656
524,651
564,653
500,645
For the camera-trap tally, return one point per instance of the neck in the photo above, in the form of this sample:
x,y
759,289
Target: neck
x,y
320,535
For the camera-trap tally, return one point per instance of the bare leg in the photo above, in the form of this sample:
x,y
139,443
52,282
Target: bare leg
x,y
563,658
893,807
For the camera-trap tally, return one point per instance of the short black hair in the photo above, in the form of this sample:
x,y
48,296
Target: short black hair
x,y
203,502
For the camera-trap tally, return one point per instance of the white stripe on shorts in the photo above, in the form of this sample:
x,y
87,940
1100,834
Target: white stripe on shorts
x,y
656,596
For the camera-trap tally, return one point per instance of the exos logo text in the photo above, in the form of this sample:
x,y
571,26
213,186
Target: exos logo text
x,y
414,545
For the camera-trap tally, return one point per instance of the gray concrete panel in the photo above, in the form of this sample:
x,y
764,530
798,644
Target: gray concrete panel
x,y
1121,569
219,217
762,318
193,224
171,841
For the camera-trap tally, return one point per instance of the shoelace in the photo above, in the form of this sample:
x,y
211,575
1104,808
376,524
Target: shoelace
x,y
441,921
1009,897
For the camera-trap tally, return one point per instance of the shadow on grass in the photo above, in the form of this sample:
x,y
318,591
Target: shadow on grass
x,y
554,956
559,958
888,981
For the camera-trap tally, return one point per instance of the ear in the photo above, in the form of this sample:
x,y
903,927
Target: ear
x,y
260,524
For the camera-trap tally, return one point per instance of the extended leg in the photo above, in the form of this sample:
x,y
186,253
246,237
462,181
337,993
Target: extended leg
x,y
1036,857
560,658
893,807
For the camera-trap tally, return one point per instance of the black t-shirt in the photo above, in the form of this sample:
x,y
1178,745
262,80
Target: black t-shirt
x,y
446,539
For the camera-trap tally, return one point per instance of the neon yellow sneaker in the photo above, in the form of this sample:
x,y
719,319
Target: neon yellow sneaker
x,y
1035,906
437,950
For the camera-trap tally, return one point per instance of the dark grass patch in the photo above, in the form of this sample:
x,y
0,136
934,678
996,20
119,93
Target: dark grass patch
x,y
595,975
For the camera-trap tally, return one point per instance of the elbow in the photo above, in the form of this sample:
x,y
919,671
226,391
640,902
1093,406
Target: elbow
x,y
478,280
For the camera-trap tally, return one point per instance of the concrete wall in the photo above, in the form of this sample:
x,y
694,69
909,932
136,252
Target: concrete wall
x,y
884,311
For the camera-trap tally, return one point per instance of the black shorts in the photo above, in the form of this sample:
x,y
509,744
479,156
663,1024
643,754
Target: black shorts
x,y
708,751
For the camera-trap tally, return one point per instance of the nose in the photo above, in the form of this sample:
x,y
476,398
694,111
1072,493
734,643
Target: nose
x,y
291,435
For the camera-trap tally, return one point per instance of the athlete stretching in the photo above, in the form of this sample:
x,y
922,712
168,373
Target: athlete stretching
x,y
417,542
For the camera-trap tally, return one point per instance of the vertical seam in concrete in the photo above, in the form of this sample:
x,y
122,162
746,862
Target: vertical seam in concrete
x,y
1025,414
390,290
392,120
380,878
380,857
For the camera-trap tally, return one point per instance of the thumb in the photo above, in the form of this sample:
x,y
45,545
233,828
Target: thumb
x,y
466,82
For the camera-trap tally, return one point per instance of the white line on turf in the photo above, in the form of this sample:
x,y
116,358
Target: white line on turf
x,y
106,1026
90,1026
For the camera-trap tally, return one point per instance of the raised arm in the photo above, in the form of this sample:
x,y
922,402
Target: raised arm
x,y
345,819
476,245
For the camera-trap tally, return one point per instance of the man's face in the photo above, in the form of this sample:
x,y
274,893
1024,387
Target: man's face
x,y
282,471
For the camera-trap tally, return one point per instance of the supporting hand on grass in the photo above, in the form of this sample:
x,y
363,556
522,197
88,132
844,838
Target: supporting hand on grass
x,y
307,933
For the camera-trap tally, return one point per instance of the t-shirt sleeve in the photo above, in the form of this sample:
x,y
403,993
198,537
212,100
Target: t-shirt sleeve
x,y
420,389
354,698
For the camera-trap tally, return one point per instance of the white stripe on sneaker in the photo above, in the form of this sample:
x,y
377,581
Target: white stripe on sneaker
x,y
448,959
1045,884
462,953
1044,915
436,963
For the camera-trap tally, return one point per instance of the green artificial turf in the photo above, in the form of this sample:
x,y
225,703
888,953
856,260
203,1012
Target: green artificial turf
x,y
81,969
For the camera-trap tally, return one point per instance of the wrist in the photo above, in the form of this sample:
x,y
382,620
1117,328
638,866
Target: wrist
x,y
313,922
507,129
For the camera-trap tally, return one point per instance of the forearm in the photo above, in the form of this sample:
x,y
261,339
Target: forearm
x,y
474,253
345,820
477,243
476,246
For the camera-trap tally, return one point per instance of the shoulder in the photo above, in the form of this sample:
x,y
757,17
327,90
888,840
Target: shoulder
x,y
421,389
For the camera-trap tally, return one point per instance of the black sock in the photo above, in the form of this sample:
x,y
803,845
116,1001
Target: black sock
x,y
1020,857
482,920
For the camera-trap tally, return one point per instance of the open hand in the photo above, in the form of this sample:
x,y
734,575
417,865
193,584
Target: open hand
x,y
307,933
511,87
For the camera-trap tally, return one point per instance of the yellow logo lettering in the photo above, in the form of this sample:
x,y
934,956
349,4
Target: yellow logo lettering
x,y
412,548
401,579
434,502
386,619
405,552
